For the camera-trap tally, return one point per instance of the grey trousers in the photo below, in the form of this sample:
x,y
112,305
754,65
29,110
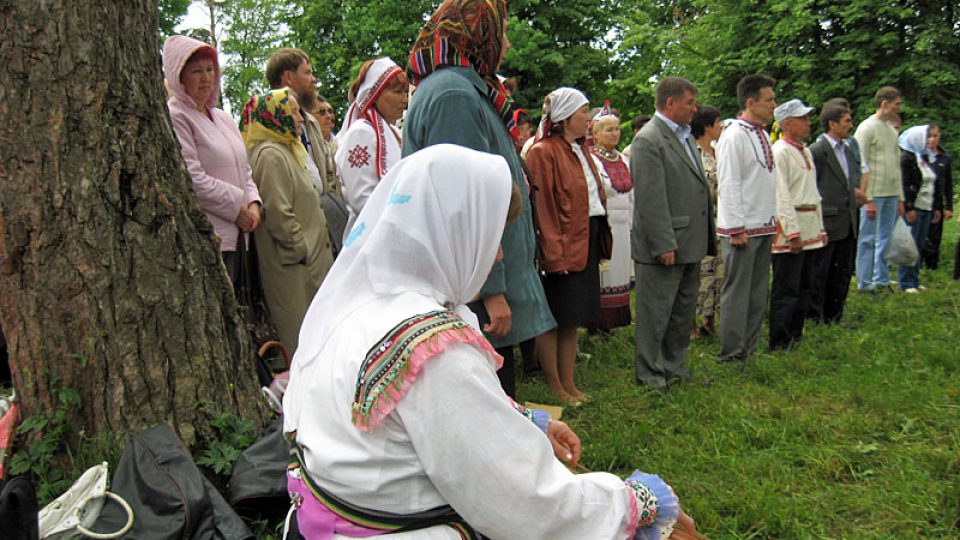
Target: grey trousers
x,y
743,300
666,309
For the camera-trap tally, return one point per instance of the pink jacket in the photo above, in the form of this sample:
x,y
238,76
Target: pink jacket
x,y
212,147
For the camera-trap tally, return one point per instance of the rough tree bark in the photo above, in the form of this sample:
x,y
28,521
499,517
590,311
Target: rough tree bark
x,y
110,278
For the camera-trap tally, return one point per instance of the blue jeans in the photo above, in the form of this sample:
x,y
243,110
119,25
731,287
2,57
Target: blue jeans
x,y
909,276
874,237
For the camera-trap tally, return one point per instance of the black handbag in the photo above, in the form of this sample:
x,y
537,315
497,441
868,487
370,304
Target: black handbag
x,y
18,509
249,291
258,484
170,497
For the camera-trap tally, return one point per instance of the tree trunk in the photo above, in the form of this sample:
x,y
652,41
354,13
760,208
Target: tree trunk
x,y
110,276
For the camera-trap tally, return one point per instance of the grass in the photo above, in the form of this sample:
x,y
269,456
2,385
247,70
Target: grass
x,y
856,434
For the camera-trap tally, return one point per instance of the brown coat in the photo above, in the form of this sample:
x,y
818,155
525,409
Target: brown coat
x,y
563,205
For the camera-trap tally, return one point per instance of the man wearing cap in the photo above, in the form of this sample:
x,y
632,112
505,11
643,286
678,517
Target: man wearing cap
x,y
799,226
746,217
672,232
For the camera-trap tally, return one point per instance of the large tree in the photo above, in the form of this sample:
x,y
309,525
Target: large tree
x,y
110,278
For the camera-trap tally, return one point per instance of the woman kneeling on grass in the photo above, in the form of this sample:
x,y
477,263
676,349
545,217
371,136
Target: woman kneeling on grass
x,y
394,404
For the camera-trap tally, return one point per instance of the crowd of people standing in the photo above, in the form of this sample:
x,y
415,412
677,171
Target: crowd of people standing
x,y
462,234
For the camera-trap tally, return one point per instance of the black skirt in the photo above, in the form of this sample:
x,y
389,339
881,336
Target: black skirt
x,y
574,298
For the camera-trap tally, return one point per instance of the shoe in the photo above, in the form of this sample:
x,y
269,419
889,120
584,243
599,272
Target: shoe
x,y
912,290
922,287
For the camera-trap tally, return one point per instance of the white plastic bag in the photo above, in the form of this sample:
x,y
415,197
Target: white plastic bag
x,y
902,250
78,508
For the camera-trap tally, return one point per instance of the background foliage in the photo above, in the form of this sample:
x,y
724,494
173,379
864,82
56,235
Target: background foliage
x,y
617,50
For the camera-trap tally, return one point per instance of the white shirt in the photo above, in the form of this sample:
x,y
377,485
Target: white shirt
x,y
746,200
593,183
798,201
357,167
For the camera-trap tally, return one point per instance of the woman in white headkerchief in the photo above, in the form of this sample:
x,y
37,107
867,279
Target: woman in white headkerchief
x,y
394,402
574,232
369,143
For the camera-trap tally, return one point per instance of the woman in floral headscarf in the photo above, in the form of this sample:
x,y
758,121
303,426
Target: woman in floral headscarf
x,y
293,247
369,142
460,100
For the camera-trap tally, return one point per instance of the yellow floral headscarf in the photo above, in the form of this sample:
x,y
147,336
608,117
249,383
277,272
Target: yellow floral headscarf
x,y
269,118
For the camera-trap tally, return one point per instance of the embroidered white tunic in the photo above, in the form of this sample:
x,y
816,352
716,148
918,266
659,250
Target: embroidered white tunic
x,y
799,213
356,164
746,183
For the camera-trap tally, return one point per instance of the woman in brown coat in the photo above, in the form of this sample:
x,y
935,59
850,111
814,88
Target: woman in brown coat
x,y
574,233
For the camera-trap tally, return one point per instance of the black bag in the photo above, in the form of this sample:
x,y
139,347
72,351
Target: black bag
x,y
258,485
170,497
18,510
335,210
249,291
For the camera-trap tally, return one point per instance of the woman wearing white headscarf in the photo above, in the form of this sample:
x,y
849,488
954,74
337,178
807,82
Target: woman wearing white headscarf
x,y
369,143
920,190
574,232
394,402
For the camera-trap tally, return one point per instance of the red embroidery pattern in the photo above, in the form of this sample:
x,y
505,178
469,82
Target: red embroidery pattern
x,y
358,157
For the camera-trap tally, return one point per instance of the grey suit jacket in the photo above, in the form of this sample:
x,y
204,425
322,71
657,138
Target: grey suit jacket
x,y
837,195
672,210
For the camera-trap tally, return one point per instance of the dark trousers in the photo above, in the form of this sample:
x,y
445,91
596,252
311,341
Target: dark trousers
x,y
507,373
833,269
930,248
790,296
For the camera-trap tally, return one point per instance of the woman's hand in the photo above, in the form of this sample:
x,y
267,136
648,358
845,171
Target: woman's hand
x,y
685,528
910,216
501,319
249,218
566,444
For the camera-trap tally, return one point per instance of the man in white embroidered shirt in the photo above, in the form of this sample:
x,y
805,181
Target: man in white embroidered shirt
x,y
746,217
799,227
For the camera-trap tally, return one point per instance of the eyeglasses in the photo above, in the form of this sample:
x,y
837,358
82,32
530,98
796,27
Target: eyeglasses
x,y
324,111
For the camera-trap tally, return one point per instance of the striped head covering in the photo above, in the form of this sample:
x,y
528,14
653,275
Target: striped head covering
x,y
269,117
465,33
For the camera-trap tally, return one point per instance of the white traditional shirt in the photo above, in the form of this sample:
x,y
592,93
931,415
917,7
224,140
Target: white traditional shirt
x,y
356,166
746,200
799,213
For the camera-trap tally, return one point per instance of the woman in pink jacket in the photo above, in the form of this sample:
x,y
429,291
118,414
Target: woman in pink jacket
x,y
210,142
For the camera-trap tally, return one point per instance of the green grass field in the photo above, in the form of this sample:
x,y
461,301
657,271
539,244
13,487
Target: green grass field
x,y
856,434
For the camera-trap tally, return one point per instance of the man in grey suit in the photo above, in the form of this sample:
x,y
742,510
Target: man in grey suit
x,y
672,231
838,176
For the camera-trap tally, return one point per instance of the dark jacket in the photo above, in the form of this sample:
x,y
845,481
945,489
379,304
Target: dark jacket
x,y
839,202
942,164
913,181
563,205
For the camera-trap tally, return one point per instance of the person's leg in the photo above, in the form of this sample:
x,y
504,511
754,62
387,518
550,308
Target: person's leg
x,y
734,297
656,292
759,290
886,219
838,278
230,263
676,340
547,353
566,358
866,247
784,298
508,379
821,260
909,276
530,362
807,287
930,252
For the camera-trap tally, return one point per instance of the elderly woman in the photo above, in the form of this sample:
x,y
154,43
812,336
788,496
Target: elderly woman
x,y
705,128
920,190
399,422
293,246
615,275
574,233
210,143
460,100
369,143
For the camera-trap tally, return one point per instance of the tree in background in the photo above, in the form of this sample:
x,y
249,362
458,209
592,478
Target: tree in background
x,y
171,13
111,283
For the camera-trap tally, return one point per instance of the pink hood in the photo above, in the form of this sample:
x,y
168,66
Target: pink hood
x,y
176,51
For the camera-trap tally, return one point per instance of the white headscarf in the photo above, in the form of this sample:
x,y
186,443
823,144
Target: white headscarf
x,y
915,140
430,230
558,106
